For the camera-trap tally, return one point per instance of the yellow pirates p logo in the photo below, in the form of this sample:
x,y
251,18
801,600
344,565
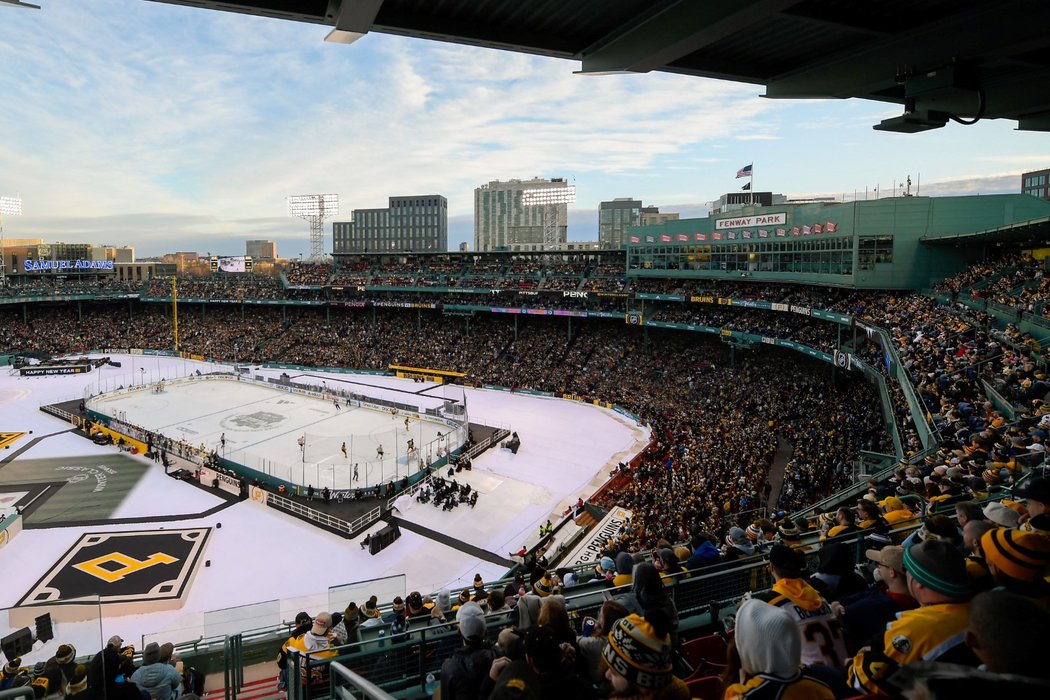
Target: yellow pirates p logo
x,y
128,565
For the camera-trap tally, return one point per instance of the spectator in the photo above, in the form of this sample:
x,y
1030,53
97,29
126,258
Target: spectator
x,y
771,669
639,659
591,647
463,673
156,677
937,580
864,614
823,641
1018,561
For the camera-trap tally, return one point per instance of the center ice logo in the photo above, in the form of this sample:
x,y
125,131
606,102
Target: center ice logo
x,y
260,420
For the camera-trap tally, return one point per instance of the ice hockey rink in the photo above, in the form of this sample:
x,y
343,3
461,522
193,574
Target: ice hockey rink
x,y
264,566
290,435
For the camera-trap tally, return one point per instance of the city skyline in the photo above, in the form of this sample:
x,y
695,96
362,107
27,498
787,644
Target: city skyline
x,y
166,127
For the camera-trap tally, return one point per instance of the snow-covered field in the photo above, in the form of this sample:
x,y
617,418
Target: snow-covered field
x,y
260,555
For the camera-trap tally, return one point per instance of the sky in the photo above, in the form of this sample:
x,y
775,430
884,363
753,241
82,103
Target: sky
x,y
127,122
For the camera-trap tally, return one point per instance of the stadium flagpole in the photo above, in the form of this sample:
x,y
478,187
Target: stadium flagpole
x,y
175,311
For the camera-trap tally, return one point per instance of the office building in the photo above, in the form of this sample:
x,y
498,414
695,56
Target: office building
x,y
1036,183
411,224
503,222
260,250
613,219
651,216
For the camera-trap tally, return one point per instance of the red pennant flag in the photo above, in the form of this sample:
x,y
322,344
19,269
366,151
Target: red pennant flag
x,y
716,236
830,227
635,239
794,231
806,230
762,233
781,232
701,236
817,228
684,237
664,238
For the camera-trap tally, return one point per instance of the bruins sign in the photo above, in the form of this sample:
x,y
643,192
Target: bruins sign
x,y
139,571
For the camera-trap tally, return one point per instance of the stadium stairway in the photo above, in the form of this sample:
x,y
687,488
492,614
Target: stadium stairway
x,y
586,520
262,689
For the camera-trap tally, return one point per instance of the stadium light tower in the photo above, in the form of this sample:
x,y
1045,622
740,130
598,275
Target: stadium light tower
x,y
549,198
315,208
9,206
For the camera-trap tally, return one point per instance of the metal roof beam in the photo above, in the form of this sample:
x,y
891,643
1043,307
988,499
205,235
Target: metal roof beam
x,y
673,32
353,19
967,35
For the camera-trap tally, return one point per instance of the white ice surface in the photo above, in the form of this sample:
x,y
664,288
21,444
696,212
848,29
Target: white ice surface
x,y
260,554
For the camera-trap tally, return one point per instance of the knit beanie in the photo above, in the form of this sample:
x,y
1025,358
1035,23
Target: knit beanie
x,y
754,531
768,640
608,564
78,682
1020,555
464,596
937,565
682,553
414,602
398,604
638,654
544,586
166,650
624,563
12,666
150,654
351,612
443,601
371,607
478,583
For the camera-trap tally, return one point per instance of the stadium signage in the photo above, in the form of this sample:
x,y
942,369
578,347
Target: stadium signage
x,y
590,551
78,264
804,310
762,220
702,300
574,295
44,370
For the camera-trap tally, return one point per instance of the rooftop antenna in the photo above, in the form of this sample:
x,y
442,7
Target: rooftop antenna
x,y
11,206
315,208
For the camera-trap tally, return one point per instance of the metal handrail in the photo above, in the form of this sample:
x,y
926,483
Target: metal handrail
x,y
369,689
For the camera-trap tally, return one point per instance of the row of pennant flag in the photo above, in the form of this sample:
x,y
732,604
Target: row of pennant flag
x,y
828,227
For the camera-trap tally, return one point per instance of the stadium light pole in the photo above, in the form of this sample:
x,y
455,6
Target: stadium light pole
x,y
550,198
315,208
9,206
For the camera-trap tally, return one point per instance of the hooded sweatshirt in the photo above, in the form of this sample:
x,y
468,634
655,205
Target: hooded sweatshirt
x,y
823,639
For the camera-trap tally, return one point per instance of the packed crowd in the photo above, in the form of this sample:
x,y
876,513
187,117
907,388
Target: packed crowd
x,y
112,673
237,287
307,273
705,482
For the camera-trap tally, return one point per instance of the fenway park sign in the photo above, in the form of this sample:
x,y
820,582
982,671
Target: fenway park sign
x,y
760,220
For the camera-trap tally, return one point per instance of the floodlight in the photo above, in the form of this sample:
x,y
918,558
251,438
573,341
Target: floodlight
x,y
314,208
549,198
549,195
11,206
305,205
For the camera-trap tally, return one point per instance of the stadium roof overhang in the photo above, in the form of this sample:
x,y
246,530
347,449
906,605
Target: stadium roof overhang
x,y
1031,232
939,59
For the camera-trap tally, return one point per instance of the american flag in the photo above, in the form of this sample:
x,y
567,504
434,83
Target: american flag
x,y
744,171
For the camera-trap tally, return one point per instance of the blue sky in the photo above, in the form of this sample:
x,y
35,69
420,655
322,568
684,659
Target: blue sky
x,y
172,128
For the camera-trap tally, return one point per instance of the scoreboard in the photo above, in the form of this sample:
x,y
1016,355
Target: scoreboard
x,y
233,263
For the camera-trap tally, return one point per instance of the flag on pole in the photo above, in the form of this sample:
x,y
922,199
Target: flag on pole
x,y
635,239
745,171
830,227
746,187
